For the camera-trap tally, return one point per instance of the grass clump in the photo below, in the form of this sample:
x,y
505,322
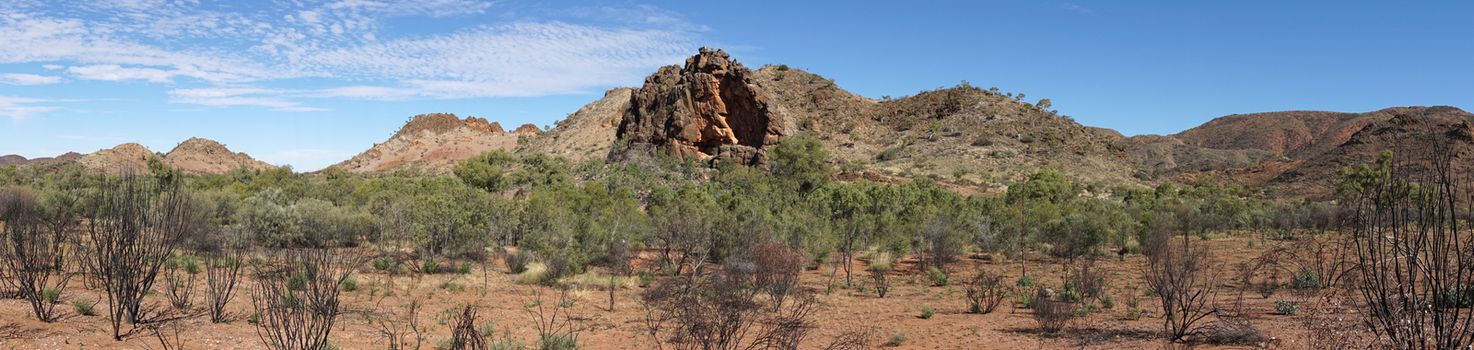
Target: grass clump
x,y
927,312
84,308
897,339
536,273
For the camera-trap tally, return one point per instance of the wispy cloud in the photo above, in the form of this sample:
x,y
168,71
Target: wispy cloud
x,y
28,79
20,108
346,43
236,97
1076,8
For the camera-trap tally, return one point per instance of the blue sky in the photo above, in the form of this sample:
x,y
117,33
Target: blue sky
x,y
310,83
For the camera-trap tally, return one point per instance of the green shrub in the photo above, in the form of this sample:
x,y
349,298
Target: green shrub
x,y
84,308
937,276
646,279
384,263
1025,282
897,339
927,312
465,268
558,341
1286,307
349,284
51,295
429,266
1305,279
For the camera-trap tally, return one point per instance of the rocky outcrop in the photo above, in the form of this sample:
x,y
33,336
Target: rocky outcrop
x,y
710,108
204,156
528,130
435,143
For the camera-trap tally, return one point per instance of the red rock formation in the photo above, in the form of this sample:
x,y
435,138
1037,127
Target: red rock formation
x,y
709,108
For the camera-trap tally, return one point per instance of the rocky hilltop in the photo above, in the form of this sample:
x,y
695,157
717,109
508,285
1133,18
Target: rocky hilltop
x,y
124,158
586,134
435,142
205,156
714,108
196,156
710,108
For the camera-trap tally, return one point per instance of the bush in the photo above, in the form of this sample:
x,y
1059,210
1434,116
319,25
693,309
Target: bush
x,y
559,341
985,292
1053,315
84,308
927,312
518,262
385,264
536,273
1286,307
897,339
1305,279
937,276
349,284
1233,331
429,266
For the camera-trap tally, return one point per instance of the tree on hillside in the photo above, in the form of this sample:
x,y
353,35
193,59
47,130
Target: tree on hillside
x,y
801,160
487,171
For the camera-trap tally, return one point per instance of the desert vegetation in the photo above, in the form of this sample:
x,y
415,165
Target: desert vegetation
x,y
732,257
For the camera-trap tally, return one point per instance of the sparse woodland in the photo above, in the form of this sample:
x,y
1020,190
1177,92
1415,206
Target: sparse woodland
x,y
729,258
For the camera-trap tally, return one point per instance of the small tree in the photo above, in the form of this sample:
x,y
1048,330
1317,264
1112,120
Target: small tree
x,y
133,227
222,274
985,292
34,256
722,310
296,298
1181,277
1412,239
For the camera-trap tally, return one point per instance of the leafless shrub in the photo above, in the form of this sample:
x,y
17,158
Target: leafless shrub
x,y
776,269
16,203
1180,276
170,339
882,281
465,336
1086,280
985,292
133,228
555,328
179,282
1233,328
34,256
401,330
222,274
296,297
1416,257
722,310
1054,315
850,340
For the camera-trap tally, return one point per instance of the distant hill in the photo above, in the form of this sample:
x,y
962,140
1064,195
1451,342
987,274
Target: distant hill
x,y
195,156
1297,154
11,159
435,142
205,156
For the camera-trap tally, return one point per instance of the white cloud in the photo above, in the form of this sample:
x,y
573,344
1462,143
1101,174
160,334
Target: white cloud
x,y
345,45
19,108
113,72
236,97
28,79
1076,8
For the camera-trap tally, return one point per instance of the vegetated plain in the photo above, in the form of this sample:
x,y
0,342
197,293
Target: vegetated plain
x,y
718,207
409,254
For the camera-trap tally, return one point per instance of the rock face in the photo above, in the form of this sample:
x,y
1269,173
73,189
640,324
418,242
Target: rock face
x,y
204,156
710,108
435,143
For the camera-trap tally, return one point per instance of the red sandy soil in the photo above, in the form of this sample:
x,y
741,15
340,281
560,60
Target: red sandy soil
x,y
502,302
